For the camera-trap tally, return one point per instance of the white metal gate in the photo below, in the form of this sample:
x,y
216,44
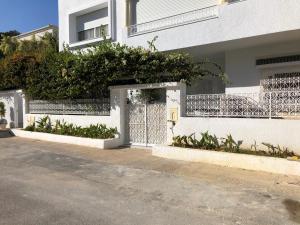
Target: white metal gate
x,y
146,123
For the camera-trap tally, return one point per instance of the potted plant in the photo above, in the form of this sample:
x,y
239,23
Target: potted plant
x,y
3,122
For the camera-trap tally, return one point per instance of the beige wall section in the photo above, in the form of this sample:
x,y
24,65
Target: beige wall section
x,y
146,10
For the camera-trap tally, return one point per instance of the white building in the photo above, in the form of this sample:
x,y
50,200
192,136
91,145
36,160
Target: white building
x,y
38,33
251,39
257,42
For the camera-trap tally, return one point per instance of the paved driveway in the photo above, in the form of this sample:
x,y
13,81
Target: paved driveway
x,y
46,183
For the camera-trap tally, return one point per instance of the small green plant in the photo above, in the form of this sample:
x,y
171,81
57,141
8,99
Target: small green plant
x,y
209,141
44,125
230,145
254,146
30,128
278,151
2,110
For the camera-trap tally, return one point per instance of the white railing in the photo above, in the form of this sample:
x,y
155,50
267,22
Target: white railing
x,y
273,104
91,107
289,83
172,21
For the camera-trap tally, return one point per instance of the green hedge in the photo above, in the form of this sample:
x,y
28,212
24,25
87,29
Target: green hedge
x,y
47,74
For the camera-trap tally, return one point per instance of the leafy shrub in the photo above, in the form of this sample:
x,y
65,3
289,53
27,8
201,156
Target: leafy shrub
x,y
46,74
15,69
281,152
207,141
30,128
228,144
98,131
44,125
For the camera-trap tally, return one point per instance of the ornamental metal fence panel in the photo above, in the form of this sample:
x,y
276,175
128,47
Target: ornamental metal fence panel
x,y
89,107
271,104
282,82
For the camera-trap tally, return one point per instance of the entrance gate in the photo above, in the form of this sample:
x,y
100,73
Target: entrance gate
x,y
146,122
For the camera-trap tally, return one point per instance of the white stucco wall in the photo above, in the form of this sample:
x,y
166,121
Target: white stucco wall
x,y
274,131
208,85
13,106
70,9
240,65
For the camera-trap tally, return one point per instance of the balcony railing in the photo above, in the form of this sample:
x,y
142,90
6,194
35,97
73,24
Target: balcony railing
x,y
173,21
272,104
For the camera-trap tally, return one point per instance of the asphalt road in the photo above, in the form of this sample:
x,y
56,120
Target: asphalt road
x,y
45,183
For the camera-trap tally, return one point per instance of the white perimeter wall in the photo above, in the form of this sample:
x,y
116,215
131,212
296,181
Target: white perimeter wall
x,y
115,120
274,131
13,106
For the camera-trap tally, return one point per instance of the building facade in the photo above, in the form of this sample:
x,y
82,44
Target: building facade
x,y
38,33
255,41
251,39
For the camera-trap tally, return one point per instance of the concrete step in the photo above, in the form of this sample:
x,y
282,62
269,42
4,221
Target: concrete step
x,y
5,133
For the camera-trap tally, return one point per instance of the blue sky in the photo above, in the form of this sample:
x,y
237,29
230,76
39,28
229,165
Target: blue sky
x,y
26,15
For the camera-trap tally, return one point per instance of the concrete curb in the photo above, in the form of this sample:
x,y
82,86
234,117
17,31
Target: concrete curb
x,y
87,142
241,161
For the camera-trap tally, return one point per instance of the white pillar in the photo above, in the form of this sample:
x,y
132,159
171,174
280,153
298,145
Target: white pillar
x,y
18,106
176,100
117,112
27,118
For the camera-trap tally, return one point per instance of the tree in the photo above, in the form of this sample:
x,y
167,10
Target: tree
x,y
11,33
8,45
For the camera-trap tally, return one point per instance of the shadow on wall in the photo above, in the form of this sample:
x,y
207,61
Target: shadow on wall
x,y
12,117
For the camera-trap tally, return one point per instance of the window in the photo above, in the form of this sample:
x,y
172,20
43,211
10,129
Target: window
x,y
283,59
93,33
92,25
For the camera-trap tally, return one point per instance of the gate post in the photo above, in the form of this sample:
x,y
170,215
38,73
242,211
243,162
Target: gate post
x,y
176,108
117,111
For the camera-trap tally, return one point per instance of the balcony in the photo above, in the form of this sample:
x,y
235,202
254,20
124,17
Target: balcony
x,y
173,21
91,36
230,25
